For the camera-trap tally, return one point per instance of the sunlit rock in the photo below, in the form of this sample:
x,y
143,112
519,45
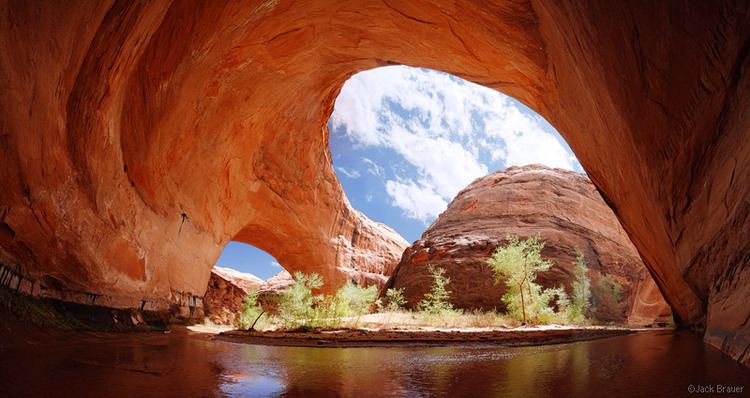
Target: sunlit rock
x,y
568,214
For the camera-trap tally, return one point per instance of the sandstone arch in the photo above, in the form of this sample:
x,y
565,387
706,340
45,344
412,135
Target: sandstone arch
x,y
119,118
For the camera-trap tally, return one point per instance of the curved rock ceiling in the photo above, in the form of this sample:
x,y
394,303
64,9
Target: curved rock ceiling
x,y
138,138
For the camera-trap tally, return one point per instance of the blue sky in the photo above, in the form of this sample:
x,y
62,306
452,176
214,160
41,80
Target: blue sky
x,y
250,259
405,141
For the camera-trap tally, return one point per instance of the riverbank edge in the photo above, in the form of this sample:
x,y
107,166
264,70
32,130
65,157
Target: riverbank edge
x,y
424,338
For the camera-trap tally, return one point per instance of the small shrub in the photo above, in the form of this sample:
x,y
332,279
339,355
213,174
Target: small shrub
x,y
349,301
612,287
394,300
607,297
358,300
436,300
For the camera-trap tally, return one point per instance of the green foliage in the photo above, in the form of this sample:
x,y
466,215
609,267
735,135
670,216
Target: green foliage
x,y
436,300
349,301
299,307
607,296
357,300
394,300
517,265
580,300
539,304
612,287
297,303
250,310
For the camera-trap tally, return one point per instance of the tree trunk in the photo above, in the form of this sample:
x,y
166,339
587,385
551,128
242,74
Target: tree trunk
x,y
256,320
523,305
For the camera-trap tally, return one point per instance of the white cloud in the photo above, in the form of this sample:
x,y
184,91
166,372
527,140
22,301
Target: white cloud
x,y
276,264
368,198
449,130
525,141
417,201
351,173
372,167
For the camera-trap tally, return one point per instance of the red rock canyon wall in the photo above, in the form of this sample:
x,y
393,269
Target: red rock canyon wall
x,y
137,138
225,293
560,206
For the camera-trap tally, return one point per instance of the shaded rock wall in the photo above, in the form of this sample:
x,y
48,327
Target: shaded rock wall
x,y
648,305
563,208
139,137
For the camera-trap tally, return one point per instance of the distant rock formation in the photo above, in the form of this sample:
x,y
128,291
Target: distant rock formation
x,y
226,290
568,213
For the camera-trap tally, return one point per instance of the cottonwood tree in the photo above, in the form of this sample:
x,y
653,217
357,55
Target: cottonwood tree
x,y
517,264
436,300
580,300
297,303
251,311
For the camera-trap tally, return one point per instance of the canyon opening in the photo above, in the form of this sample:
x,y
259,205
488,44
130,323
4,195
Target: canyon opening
x,y
425,234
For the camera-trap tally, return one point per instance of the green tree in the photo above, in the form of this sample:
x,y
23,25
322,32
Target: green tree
x,y
580,301
436,300
517,265
250,310
297,303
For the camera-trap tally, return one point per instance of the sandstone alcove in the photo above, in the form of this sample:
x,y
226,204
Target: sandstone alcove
x,y
138,139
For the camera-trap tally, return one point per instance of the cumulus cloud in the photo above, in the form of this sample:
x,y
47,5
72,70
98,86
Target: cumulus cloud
x,y
418,201
525,140
448,130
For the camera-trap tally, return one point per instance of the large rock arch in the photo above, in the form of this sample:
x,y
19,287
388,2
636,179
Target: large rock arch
x,y
138,138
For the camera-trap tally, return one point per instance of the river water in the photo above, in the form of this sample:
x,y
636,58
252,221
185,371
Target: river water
x,y
185,364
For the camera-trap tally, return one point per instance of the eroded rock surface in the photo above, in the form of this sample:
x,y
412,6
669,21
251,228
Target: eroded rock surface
x,y
137,139
226,290
563,208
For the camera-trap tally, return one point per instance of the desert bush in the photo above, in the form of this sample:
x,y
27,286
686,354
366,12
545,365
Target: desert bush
x,y
612,287
298,307
580,300
350,301
394,300
250,310
607,296
517,264
435,301
357,300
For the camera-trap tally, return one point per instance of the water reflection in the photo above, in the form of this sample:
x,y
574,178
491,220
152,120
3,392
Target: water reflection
x,y
649,364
